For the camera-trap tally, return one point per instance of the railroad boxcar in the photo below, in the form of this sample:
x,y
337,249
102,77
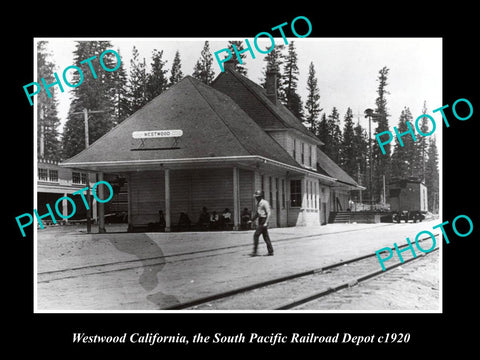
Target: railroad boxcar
x,y
408,199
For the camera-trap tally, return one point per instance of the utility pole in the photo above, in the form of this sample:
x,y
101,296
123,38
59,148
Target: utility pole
x,y
369,114
359,180
42,135
85,113
423,160
384,193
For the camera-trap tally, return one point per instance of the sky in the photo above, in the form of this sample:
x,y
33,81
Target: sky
x,y
346,68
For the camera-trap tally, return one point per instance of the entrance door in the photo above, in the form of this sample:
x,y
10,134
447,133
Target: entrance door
x,y
277,203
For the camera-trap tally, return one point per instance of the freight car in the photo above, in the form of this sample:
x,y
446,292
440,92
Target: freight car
x,y
408,199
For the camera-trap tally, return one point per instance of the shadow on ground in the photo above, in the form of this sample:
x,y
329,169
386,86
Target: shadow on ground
x,y
145,248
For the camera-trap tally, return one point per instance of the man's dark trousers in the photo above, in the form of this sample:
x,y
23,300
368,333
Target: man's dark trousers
x,y
263,230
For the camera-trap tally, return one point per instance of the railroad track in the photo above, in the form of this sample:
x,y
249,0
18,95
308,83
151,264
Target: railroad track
x,y
289,292
95,269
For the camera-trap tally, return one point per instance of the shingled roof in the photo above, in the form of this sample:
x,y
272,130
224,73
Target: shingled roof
x,y
269,115
213,126
327,166
254,100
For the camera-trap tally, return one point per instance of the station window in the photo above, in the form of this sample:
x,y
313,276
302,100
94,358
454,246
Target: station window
x,y
310,156
53,175
295,193
294,149
43,174
79,178
283,193
47,175
303,153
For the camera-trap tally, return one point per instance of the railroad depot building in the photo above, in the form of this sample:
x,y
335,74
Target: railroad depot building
x,y
233,137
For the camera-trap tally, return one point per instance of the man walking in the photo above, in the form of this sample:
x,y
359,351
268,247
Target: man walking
x,y
263,215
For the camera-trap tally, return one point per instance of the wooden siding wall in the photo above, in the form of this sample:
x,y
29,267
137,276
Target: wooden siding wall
x,y
278,207
412,197
343,197
190,191
281,137
325,207
247,189
65,176
148,196
213,188
310,212
286,140
339,200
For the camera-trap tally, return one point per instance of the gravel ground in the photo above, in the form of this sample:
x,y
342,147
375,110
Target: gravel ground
x,y
140,284
410,287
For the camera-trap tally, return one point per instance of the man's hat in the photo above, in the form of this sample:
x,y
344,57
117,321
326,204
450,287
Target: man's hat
x,y
258,193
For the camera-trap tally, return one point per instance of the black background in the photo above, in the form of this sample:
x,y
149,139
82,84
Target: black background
x,y
51,334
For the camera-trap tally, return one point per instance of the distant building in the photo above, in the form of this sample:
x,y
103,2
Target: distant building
x,y
54,182
237,137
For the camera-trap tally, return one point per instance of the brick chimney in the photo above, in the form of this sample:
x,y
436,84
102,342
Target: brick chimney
x,y
271,85
229,65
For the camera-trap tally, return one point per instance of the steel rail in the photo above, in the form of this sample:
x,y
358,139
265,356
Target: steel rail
x,y
233,292
345,285
94,266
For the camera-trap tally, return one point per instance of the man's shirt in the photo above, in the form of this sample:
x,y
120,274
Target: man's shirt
x,y
263,208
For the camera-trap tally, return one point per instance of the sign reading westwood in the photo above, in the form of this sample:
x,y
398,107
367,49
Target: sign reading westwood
x,y
150,134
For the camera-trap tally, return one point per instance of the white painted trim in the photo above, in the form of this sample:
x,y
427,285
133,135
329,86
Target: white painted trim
x,y
198,160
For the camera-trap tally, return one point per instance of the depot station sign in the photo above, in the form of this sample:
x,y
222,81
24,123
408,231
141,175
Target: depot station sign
x,y
150,134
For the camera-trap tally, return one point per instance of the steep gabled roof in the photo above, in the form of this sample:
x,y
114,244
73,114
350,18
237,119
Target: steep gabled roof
x,y
212,124
327,166
259,107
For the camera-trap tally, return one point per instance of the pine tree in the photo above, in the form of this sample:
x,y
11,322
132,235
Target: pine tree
x,y
402,157
421,147
312,105
291,98
238,67
274,62
324,135
295,105
348,154
361,151
203,69
93,94
120,94
157,81
137,82
381,162
333,125
330,134
48,121
432,176
176,71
